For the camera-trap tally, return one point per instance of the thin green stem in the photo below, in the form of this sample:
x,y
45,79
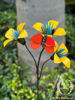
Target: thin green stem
x,y
43,66
37,72
22,41
40,56
30,54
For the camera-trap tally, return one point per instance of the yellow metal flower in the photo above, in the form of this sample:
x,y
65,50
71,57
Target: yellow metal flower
x,y
49,28
12,34
60,55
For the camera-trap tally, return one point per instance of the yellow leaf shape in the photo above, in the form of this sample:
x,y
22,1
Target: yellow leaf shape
x,y
56,59
38,26
62,46
9,33
20,26
6,42
66,61
54,23
23,34
59,32
56,46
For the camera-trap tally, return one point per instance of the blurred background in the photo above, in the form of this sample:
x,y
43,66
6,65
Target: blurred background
x,y
14,78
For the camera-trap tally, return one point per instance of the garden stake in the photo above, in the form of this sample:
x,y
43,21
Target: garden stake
x,y
45,40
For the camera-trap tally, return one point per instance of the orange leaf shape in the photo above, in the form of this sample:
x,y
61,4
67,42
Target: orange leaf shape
x,y
49,49
50,42
36,38
34,45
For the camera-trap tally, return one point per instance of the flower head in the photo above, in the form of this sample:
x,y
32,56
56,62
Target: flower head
x,y
12,34
46,42
45,39
49,28
60,55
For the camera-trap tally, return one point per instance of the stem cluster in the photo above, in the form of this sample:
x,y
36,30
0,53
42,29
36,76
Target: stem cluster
x,y
37,64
